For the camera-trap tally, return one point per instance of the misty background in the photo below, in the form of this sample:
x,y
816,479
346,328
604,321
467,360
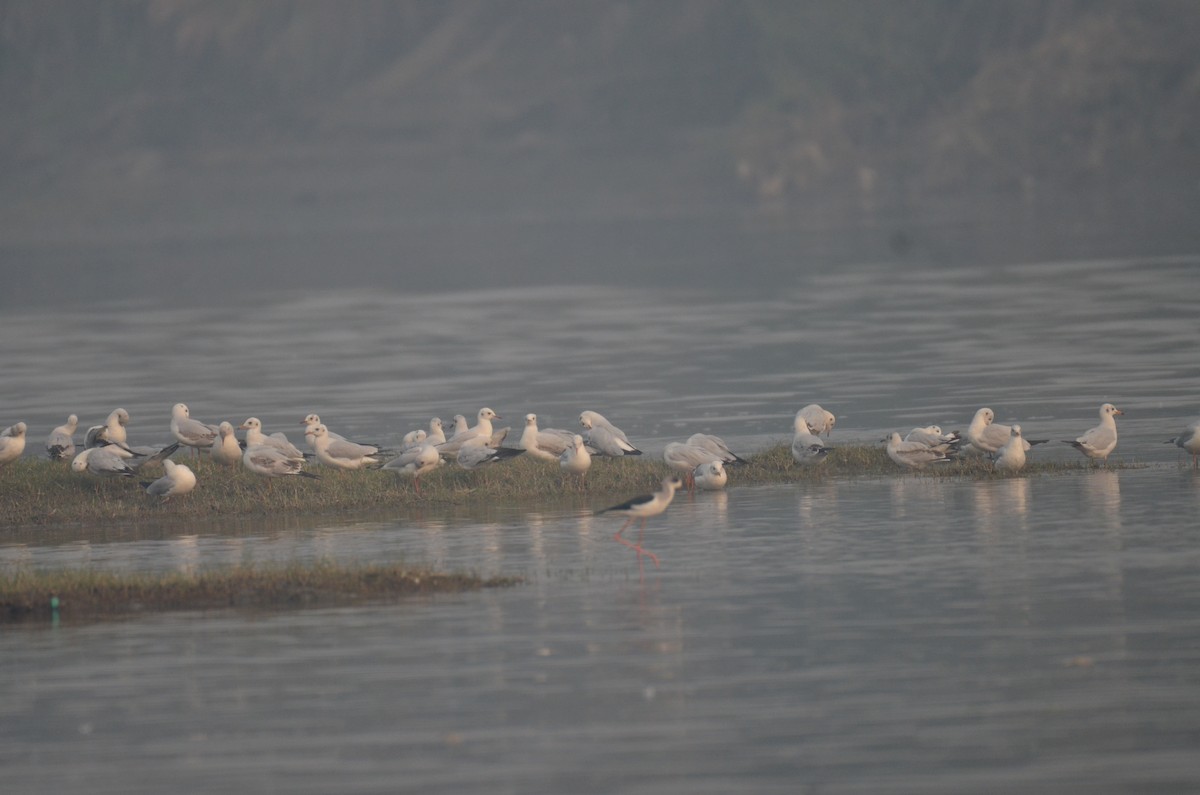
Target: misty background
x,y
200,151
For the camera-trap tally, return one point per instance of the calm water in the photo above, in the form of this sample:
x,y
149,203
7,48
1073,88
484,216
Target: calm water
x,y
1034,634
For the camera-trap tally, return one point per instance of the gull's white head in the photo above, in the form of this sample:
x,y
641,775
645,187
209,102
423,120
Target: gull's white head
x,y
531,419
72,421
311,419
179,411
588,418
714,468
225,429
435,424
1016,431
1109,410
17,430
984,417
319,430
251,423
487,414
121,416
577,441
79,463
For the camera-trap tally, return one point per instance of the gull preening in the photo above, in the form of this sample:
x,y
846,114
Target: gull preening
x,y
916,455
178,480
710,476
12,443
932,435
60,444
112,431
818,419
604,437
715,445
101,461
1098,442
415,463
643,507
684,458
1189,441
476,452
1011,456
193,433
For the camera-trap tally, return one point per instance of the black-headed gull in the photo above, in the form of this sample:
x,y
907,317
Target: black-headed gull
x,y
415,463
987,436
1011,456
916,455
715,445
102,461
807,448
710,476
932,436
1189,441
482,429
342,454
575,460
178,480
1098,442
226,450
112,431
820,420
684,458
437,434
604,437
548,444
643,507
193,433
475,452
12,443
60,444
256,436
270,462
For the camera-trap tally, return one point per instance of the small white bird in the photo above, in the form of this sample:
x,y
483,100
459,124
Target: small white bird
x,y
101,461
112,431
715,445
1098,442
226,450
255,436
342,454
820,420
1189,441
1012,455
60,444
915,455
437,434
460,425
178,480
604,437
270,462
12,443
932,436
415,463
413,439
807,448
193,433
643,507
576,460
711,476
548,444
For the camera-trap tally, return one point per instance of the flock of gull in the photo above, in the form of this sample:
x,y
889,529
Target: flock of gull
x,y
700,461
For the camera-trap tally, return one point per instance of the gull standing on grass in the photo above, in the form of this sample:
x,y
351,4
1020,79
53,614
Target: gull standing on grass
x,y
178,480
711,476
1012,455
820,420
60,444
548,444
475,452
643,507
342,454
1189,441
932,436
604,437
575,460
415,463
226,450
193,433
1098,442
12,443
915,455
112,431
684,458
807,448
